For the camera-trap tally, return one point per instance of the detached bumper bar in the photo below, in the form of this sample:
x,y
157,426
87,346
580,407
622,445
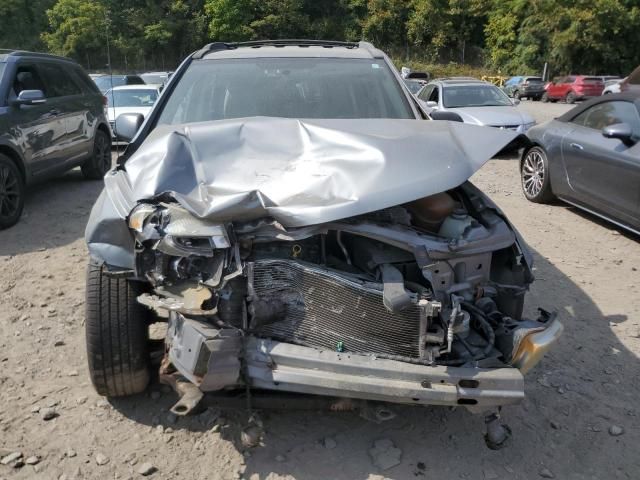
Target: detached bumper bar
x,y
281,366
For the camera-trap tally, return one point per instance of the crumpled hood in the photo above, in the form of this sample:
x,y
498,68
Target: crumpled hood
x,y
495,116
299,172
305,172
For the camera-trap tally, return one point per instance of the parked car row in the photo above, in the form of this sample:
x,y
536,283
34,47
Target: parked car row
x,y
570,88
107,82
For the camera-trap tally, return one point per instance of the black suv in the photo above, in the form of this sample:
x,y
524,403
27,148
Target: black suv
x,y
51,120
527,87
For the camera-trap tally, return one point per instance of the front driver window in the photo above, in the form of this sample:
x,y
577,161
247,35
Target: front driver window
x,y
26,78
609,113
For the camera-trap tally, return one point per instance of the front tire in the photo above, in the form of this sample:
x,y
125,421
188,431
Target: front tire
x,y
544,98
117,334
570,98
12,192
516,95
99,163
534,176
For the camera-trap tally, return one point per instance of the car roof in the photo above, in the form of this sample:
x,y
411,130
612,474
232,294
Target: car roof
x,y
461,82
626,96
288,49
6,54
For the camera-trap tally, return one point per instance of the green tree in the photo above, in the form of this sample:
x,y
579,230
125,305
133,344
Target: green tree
x,y
230,19
77,27
22,22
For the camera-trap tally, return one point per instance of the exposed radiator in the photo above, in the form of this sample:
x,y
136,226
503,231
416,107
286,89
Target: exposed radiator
x,y
317,307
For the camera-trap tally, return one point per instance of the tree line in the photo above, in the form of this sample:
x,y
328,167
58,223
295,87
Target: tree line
x,y
507,36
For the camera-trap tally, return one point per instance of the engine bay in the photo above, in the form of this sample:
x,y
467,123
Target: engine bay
x,y
438,281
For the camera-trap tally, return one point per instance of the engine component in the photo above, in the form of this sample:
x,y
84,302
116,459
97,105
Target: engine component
x,y
429,212
205,355
455,225
322,309
394,295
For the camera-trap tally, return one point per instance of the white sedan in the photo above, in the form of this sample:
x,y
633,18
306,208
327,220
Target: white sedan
x,y
130,99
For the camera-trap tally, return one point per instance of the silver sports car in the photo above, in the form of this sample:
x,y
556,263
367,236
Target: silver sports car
x,y
589,157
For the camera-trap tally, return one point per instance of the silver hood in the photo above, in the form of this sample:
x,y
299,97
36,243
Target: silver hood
x,y
299,172
494,116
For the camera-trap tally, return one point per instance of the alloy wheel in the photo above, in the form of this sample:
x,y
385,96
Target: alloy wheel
x,y
533,173
9,192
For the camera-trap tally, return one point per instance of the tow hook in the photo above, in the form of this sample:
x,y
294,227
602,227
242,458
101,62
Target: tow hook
x,y
497,434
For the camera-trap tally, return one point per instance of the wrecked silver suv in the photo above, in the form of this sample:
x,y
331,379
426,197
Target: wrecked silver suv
x,y
301,226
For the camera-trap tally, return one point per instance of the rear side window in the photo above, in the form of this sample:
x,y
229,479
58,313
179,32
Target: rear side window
x,y
569,80
591,80
634,78
88,86
59,82
609,113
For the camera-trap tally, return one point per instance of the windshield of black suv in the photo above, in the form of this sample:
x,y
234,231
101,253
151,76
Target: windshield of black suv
x,y
480,95
286,87
144,97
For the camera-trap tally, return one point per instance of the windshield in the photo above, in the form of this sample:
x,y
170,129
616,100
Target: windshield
x,y
106,82
474,96
154,79
286,87
132,98
533,80
414,86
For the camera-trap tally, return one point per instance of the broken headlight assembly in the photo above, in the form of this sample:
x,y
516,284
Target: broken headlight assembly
x,y
182,257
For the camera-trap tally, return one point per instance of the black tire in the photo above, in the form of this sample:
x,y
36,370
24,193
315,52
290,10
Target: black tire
x,y
544,98
534,176
117,335
12,191
516,95
99,163
570,98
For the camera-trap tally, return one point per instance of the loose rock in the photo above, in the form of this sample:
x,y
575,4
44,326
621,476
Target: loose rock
x,y
48,413
71,453
33,460
102,459
12,457
146,469
281,458
546,473
615,430
329,443
385,454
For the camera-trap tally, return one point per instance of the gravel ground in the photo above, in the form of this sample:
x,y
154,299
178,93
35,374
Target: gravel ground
x,y
580,419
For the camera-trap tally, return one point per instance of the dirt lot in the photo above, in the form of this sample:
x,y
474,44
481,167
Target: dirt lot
x,y
581,418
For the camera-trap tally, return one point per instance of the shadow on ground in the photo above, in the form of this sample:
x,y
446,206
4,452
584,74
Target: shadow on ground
x,y
57,209
582,387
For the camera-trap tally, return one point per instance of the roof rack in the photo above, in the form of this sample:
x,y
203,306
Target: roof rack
x,y
217,46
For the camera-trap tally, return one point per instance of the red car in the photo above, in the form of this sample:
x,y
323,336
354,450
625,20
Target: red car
x,y
572,88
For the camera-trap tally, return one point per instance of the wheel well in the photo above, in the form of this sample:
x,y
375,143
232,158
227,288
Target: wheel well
x,y
13,155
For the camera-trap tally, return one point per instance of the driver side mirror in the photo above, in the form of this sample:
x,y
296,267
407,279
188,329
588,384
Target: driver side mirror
x,y
432,104
30,97
127,125
621,131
